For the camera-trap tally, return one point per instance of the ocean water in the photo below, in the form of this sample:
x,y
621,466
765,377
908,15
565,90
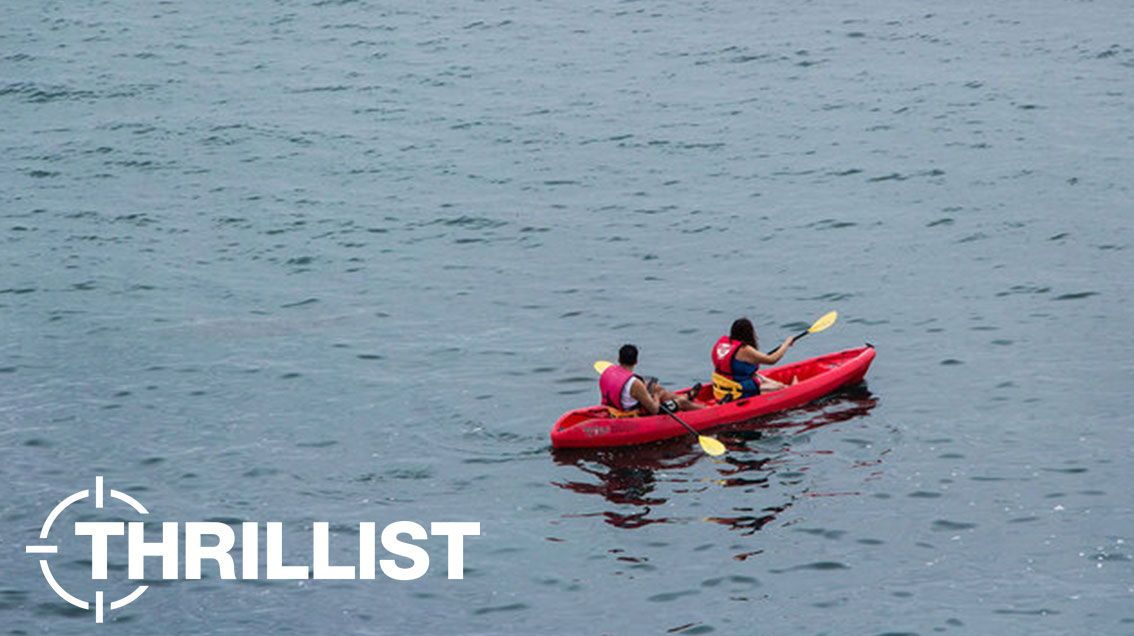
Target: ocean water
x,y
348,261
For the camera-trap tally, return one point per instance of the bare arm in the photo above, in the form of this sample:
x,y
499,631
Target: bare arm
x,y
752,356
639,392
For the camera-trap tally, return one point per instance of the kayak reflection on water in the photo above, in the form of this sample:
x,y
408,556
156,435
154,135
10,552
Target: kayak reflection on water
x,y
648,477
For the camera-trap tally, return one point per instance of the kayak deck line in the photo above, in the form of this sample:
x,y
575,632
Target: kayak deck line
x,y
594,427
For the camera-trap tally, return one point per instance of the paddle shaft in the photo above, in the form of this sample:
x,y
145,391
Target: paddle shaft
x,y
679,420
794,340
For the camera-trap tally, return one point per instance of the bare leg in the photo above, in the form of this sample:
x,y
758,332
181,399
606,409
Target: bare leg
x,y
768,384
683,403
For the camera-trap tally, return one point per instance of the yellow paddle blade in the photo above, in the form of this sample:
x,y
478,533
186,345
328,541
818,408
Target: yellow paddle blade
x,y
711,446
827,320
602,365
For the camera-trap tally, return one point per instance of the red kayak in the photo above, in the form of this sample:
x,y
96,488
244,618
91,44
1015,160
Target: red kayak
x,y
592,426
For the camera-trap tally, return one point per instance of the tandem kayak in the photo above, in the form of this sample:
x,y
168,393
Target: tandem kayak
x,y
593,426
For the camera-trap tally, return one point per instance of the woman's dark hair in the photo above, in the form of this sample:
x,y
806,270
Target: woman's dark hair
x,y
743,331
628,355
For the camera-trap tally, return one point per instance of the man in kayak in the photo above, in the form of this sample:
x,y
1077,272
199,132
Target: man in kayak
x,y
736,360
631,394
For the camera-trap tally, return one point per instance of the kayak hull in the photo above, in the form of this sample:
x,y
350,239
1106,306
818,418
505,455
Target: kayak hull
x,y
593,427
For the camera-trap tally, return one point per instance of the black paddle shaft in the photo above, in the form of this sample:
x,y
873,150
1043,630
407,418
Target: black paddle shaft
x,y
669,407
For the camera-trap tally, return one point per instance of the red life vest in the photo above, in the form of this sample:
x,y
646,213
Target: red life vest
x,y
611,383
723,352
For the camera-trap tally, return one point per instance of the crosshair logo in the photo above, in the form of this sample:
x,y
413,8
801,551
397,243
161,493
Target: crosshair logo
x,y
99,602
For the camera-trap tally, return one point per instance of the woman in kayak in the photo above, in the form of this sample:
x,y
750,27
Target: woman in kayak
x,y
630,394
736,360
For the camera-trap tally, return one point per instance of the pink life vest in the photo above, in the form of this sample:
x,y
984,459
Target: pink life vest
x,y
611,383
723,352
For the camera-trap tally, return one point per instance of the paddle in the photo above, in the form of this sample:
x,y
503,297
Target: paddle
x,y
825,321
708,444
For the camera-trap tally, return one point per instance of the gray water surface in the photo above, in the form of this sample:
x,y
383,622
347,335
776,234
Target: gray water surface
x,y
348,261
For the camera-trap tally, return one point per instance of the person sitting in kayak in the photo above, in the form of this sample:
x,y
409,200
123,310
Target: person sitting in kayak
x,y
736,361
627,393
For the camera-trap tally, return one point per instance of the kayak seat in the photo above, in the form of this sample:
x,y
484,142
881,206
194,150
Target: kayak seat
x,y
726,389
618,413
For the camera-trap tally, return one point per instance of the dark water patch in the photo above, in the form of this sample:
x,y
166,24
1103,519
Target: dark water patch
x,y
950,362
1076,295
468,222
576,379
939,222
944,525
1110,557
34,93
496,609
370,356
10,598
1024,289
819,566
228,521
62,610
320,444
1065,471
409,473
1019,612
893,176
821,532
669,597
692,629
831,224
924,494
302,303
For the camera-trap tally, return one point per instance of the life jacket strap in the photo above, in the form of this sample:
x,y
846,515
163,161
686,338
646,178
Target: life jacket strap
x,y
619,413
726,389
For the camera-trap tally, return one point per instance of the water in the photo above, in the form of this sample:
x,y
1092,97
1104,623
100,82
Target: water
x,y
348,261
